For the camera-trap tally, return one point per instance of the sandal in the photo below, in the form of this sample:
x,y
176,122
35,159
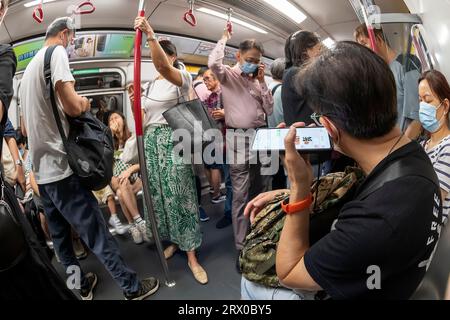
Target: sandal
x,y
199,274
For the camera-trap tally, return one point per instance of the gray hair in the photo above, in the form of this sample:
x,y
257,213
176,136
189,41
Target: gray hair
x,y
59,25
277,68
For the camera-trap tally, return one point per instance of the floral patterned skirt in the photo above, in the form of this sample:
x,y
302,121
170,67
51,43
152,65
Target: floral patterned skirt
x,y
173,191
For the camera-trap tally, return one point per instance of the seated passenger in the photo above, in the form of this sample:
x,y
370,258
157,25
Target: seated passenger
x,y
126,182
107,196
406,70
434,93
384,238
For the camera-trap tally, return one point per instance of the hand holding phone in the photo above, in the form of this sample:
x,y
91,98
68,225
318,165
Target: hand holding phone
x,y
307,141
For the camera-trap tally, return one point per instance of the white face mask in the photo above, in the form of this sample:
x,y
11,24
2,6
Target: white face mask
x,y
3,16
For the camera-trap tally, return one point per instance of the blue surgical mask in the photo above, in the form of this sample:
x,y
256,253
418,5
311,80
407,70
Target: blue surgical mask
x,y
249,68
428,117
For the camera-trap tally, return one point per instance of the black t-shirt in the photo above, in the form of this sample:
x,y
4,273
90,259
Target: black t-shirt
x,y
294,107
8,64
391,234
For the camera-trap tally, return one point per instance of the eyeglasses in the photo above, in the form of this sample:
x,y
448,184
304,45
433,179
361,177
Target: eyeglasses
x,y
316,118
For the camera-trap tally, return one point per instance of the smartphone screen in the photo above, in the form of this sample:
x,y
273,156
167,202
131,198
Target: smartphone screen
x,y
309,140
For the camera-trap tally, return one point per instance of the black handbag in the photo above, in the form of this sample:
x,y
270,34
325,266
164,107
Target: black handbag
x,y
89,145
193,117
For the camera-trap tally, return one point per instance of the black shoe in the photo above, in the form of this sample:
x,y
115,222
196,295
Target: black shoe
x,y
88,292
238,265
147,287
223,223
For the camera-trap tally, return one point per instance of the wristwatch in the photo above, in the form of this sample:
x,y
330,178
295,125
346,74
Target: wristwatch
x,y
151,38
19,163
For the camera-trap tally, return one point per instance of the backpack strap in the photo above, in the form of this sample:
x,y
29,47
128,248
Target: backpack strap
x,y
50,92
276,88
398,169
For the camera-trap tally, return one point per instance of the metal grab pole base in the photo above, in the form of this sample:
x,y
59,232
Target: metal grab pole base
x,y
151,213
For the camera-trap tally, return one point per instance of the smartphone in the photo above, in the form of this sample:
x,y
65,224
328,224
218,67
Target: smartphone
x,y
308,141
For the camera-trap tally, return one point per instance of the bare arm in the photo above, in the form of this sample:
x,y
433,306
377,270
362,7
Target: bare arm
x,y
162,63
73,104
33,183
12,144
294,241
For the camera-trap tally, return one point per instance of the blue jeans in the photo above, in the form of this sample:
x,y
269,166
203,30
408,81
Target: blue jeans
x,y
251,291
67,204
229,187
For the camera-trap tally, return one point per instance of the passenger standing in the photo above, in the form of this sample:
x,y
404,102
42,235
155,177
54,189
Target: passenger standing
x,y
406,69
279,180
26,272
199,86
277,70
172,183
66,202
247,101
214,103
434,93
300,47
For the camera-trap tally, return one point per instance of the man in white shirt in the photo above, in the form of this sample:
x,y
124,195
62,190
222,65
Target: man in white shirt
x,y
66,202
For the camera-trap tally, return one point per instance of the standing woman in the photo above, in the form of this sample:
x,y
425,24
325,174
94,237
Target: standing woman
x,y
434,93
300,47
172,183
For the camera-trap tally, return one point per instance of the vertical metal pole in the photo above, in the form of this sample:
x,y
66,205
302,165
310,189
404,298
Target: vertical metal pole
x,y
141,151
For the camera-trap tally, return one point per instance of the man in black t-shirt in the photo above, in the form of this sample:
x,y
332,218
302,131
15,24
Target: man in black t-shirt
x,y
383,241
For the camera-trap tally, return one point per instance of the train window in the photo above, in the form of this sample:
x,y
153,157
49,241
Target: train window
x,y
97,81
101,103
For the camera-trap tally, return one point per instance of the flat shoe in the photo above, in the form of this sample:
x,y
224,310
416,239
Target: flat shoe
x,y
199,274
170,251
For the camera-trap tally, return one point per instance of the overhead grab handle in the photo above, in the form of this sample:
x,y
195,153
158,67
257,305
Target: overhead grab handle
x,y
86,7
229,22
38,13
189,16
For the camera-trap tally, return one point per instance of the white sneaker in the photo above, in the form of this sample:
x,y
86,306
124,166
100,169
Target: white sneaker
x,y
143,229
115,222
136,234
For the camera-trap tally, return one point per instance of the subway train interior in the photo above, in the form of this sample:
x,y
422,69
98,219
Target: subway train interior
x,y
166,222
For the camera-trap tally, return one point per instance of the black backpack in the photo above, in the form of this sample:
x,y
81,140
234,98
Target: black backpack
x,y
89,146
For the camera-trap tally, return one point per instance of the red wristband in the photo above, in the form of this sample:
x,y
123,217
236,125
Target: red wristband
x,y
292,208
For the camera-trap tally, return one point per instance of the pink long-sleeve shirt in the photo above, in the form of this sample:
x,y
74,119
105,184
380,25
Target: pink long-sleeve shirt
x,y
247,102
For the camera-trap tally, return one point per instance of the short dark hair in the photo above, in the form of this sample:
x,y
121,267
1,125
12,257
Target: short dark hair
x,y
277,68
250,44
354,88
171,50
297,45
201,72
361,31
59,25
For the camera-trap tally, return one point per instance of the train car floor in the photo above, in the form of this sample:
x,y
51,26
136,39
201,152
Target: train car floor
x,y
217,255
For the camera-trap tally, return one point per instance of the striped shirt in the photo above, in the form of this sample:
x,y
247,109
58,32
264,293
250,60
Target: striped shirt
x,y
440,157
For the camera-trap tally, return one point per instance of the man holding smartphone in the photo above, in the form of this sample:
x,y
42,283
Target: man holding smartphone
x,y
247,102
